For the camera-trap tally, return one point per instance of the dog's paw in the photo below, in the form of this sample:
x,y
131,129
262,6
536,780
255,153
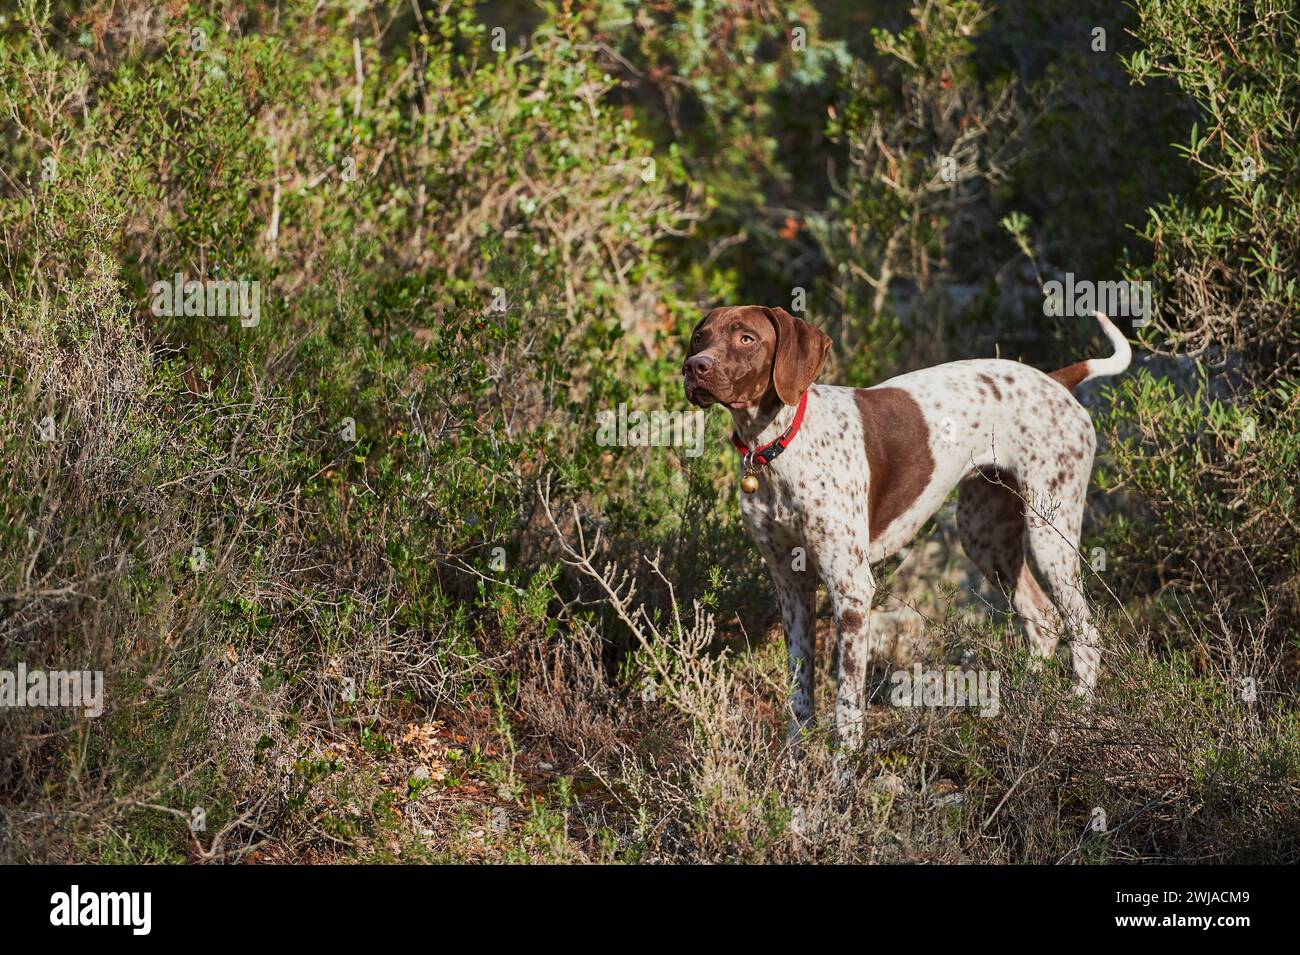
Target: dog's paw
x,y
843,770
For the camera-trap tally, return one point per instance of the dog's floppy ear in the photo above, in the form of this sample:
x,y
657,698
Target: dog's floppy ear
x,y
800,352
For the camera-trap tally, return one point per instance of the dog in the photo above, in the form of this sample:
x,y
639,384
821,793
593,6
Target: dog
x,y
838,479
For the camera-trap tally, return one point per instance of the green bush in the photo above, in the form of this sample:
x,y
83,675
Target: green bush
x,y
362,580
1213,467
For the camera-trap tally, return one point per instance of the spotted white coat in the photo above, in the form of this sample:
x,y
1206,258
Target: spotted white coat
x,y
868,467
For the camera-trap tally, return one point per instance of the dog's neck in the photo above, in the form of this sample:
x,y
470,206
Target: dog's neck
x,y
762,423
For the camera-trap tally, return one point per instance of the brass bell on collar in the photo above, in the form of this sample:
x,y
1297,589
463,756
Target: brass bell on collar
x,y
749,483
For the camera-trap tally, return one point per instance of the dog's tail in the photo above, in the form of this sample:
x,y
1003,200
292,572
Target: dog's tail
x,y
1072,376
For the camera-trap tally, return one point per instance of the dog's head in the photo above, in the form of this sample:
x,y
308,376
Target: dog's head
x,y
746,356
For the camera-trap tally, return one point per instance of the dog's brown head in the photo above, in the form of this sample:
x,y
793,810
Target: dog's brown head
x,y
746,356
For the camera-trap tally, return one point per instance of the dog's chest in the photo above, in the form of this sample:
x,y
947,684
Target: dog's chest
x,y
816,490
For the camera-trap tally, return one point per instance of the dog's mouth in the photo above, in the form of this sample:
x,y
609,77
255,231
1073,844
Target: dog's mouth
x,y
700,396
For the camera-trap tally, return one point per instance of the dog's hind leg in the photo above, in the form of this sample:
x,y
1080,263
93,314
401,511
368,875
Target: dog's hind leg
x,y
1053,538
991,524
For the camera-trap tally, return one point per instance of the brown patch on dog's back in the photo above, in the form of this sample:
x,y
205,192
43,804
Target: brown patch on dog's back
x,y
1070,376
898,453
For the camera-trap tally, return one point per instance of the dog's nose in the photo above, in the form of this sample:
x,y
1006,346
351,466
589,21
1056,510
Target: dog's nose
x,y
698,366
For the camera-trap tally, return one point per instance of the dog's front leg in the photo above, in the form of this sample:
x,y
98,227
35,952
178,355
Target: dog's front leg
x,y
852,588
796,588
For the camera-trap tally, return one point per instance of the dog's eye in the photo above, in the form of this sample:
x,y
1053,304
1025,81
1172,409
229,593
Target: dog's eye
x,y
746,339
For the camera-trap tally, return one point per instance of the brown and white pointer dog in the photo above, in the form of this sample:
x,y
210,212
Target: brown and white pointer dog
x,y
867,467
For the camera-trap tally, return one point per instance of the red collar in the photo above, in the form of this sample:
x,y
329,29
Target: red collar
x,y
756,460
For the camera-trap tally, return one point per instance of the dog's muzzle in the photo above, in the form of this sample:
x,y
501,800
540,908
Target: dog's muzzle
x,y
697,375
